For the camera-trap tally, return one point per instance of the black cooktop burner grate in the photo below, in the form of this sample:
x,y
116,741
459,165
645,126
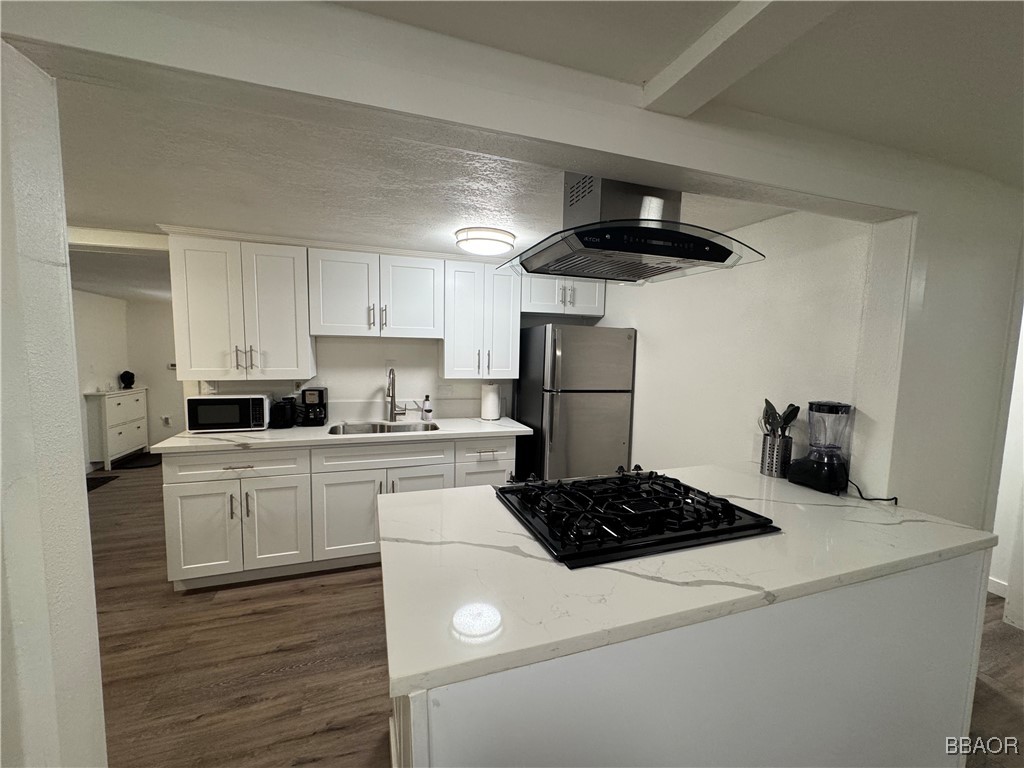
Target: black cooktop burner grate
x,y
594,520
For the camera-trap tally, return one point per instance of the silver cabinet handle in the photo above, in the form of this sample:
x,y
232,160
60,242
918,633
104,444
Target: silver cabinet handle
x,y
488,361
242,466
572,296
237,350
373,315
252,357
392,486
248,505
478,361
561,295
231,505
487,450
383,315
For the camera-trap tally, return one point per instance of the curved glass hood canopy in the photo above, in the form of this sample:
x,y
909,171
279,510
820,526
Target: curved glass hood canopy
x,y
628,249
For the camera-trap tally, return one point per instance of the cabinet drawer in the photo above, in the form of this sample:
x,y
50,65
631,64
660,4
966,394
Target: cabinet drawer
x,y
228,465
484,473
126,437
485,449
125,408
346,457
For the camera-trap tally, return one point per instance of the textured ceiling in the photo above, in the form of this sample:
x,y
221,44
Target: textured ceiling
x,y
627,41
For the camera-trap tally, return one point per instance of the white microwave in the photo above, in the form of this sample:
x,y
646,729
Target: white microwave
x,y
226,413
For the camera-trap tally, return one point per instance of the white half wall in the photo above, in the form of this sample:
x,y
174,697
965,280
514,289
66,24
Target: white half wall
x,y
101,348
712,347
52,701
1009,520
150,350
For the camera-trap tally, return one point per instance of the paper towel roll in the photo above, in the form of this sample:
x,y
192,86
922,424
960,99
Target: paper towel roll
x,y
490,402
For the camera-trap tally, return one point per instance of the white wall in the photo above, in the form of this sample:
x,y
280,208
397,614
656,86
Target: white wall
x,y
150,350
101,349
354,370
52,702
711,347
1009,521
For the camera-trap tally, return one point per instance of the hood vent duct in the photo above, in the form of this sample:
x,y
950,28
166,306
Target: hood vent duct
x,y
628,233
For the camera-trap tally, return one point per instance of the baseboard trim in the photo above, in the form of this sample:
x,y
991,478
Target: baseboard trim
x,y
262,574
997,587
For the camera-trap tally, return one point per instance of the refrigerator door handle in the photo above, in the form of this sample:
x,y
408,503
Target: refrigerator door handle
x,y
554,420
556,372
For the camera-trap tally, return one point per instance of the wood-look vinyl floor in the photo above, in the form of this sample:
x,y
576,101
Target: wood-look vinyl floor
x,y
294,672
279,673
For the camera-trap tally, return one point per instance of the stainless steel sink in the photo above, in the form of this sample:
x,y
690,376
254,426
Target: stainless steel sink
x,y
381,427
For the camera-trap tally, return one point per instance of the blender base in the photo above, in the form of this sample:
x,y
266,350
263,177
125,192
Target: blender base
x,y
827,477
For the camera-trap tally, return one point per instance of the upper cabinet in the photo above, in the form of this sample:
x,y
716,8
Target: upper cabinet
x,y
481,339
366,294
563,295
240,310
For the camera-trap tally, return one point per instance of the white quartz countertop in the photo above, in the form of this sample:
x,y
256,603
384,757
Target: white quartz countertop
x,y
468,591
317,437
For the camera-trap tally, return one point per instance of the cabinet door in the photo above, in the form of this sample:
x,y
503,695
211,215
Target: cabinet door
x,y
206,299
276,527
411,297
484,473
203,529
585,297
276,309
501,323
463,320
345,513
542,293
344,293
429,478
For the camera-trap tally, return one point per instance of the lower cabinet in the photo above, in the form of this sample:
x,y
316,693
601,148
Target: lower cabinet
x,y
484,473
345,505
224,526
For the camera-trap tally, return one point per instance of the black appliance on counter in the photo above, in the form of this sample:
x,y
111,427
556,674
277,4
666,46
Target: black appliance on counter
x,y
826,467
593,520
282,413
312,409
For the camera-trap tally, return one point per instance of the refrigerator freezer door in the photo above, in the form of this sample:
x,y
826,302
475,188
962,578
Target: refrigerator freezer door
x,y
582,358
586,433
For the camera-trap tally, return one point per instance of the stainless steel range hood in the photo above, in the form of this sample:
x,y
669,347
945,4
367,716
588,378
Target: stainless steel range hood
x,y
630,234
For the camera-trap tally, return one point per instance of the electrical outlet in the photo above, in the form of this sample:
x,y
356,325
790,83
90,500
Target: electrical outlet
x,y
172,366
166,420
445,390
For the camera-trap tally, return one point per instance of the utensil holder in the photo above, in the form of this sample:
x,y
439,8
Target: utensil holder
x,y
775,455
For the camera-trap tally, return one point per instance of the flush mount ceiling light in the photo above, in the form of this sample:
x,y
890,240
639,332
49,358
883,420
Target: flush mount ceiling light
x,y
485,241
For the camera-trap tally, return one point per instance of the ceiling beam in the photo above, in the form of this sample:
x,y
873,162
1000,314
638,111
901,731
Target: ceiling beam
x,y
747,36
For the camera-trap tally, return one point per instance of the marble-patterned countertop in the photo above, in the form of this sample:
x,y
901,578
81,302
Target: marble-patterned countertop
x,y
318,437
468,591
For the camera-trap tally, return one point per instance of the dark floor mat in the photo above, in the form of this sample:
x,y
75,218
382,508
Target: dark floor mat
x,y
92,483
137,461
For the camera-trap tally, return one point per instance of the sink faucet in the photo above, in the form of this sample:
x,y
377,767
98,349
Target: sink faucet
x,y
394,411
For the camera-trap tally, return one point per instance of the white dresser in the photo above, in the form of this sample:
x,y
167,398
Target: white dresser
x,y
117,424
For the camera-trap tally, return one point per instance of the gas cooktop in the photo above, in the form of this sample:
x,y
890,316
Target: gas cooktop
x,y
592,520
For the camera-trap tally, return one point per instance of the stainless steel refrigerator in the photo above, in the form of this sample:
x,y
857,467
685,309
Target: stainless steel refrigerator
x,y
575,391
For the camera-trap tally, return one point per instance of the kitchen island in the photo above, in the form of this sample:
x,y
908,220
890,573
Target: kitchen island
x,y
850,638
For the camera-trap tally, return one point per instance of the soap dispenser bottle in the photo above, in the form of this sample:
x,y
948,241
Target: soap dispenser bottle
x,y
427,414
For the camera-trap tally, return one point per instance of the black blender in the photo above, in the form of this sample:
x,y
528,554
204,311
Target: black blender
x,y
826,467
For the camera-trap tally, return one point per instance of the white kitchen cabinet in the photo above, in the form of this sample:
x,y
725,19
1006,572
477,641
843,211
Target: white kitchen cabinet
x,y
202,528
117,424
275,306
481,338
276,524
428,478
345,505
545,294
345,513
366,294
484,473
240,310
411,297
225,526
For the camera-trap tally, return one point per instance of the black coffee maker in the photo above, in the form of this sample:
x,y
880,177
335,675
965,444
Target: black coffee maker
x,y
312,410
826,467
